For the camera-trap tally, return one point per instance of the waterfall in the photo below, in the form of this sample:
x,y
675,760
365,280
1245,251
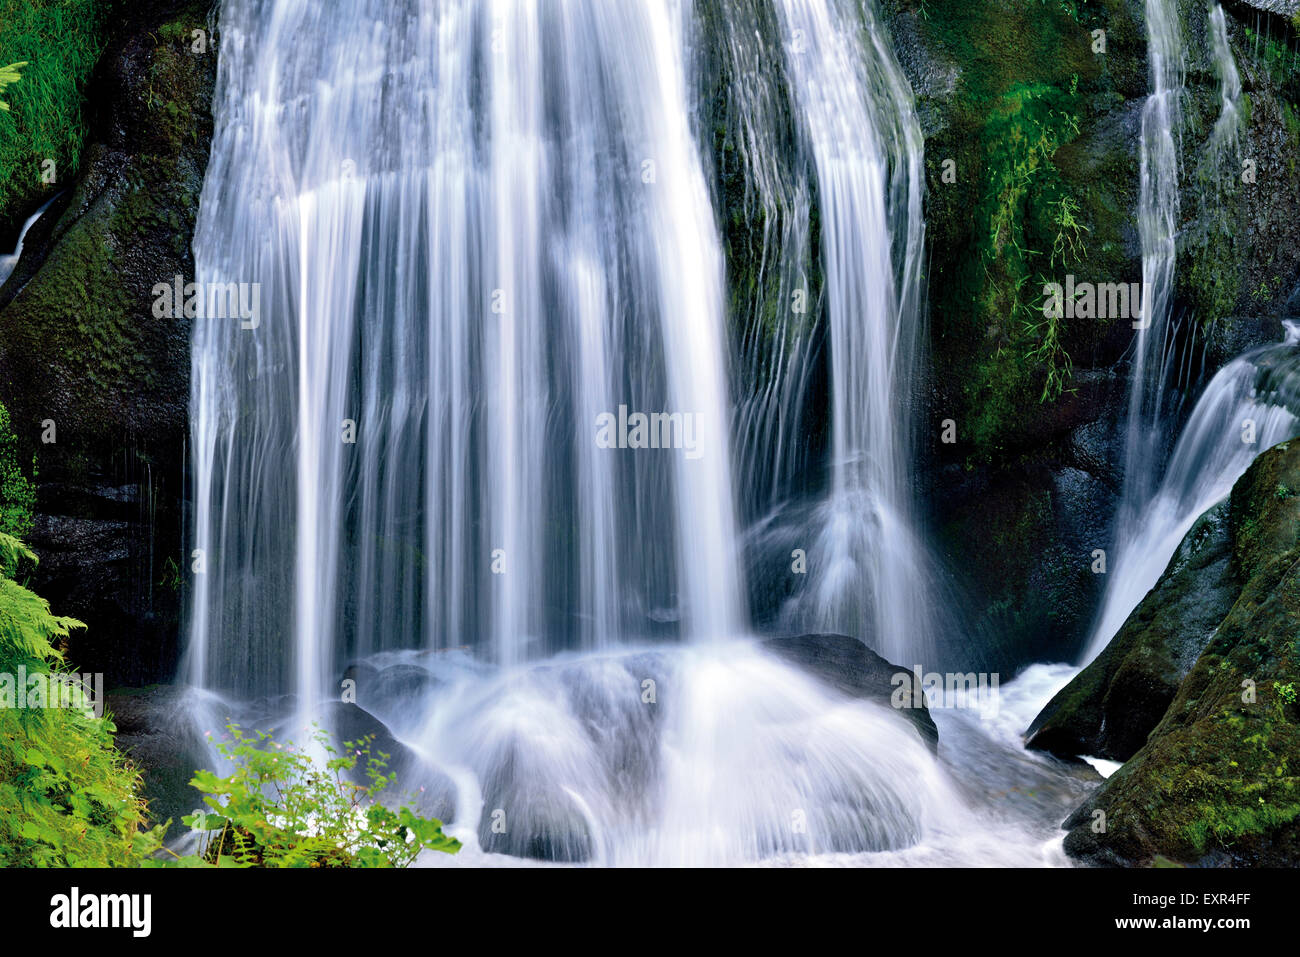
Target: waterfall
x,y
857,145
1225,128
867,148
9,261
1157,229
1245,409
477,228
485,243
1144,429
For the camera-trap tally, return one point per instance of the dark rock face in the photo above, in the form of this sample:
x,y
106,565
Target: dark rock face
x,y
850,667
1214,781
1111,706
97,385
155,731
1033,528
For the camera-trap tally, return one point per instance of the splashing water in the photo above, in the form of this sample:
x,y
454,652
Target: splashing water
x,y
1237,417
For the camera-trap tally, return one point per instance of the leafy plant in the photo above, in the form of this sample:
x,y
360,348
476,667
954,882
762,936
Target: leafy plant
x,y
56,44
285,807
9,75
67,797
1285,691
17,492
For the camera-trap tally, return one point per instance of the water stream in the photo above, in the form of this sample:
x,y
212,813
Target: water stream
x,y
481,431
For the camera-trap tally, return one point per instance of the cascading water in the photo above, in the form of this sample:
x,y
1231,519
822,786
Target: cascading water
x,y
483,240
1237,417
1144,430
477,228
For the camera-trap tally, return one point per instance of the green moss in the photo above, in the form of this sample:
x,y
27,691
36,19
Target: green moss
x,y
17,491
1032,204
1216,776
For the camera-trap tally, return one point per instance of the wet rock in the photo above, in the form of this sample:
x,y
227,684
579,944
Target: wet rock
x,y
80,348
850,667
1112,705
1213,783
416,782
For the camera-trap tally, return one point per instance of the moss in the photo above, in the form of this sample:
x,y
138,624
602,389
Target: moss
x,y
1034,201
109,369
1216,780
17,491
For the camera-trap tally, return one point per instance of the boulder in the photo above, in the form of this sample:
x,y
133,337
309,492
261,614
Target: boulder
x,y
1111,706
1215,782
853,669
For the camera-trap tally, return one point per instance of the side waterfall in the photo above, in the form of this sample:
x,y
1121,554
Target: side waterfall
x,y
1145,429
1245,409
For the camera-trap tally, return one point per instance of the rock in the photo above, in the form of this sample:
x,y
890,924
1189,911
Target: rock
x,y
80,346
1031,595
850,667
1110,707
156,732
416,782
404,682
1215,783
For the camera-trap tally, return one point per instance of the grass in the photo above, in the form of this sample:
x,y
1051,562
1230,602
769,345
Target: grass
x,y
59,43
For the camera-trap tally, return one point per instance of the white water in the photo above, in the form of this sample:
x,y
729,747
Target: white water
x,y
9,261
477,226
1211,454
1225,127
738,759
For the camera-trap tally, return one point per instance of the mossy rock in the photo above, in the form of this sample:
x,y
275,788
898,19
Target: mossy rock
x,y
81,348
1215,782
1111,706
